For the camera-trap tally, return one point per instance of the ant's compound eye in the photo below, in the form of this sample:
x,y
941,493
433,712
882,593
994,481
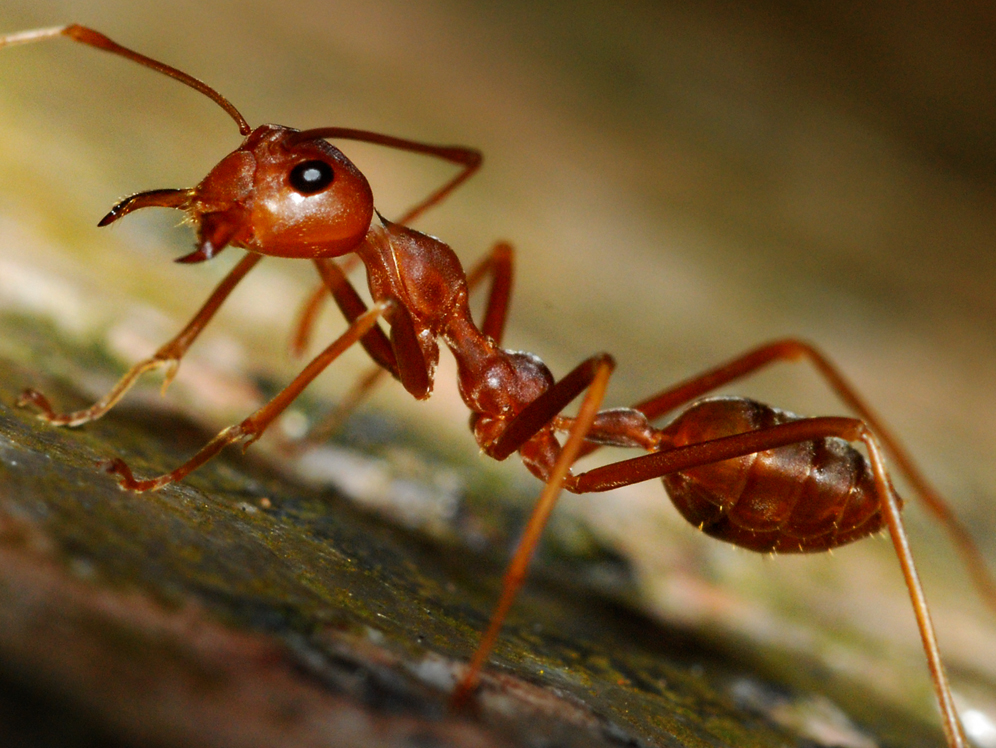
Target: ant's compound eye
x,y
309,177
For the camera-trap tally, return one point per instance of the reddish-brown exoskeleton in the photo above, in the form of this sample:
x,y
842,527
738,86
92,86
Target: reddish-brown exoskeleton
x,y
742,472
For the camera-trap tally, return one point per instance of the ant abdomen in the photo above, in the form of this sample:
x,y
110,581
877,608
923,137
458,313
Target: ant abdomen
x,y
801,498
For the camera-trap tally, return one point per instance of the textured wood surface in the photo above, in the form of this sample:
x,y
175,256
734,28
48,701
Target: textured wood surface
x,y
680,185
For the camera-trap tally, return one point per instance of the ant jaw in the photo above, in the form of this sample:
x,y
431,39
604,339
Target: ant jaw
x,y
214,233
152,199
203,253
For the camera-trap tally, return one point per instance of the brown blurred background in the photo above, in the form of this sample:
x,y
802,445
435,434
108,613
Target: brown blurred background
x,y
680,183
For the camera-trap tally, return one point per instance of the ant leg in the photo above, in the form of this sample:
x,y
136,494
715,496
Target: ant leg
x,y
497,265
307,316
375,341
891,511
793,350
168,357
252,427
334,419
594,373
304,327
677,459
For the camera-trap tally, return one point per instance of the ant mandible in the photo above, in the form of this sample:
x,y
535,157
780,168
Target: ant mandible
x,y
743,472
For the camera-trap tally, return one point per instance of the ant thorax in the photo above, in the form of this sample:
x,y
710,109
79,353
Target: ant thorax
x,y
426,282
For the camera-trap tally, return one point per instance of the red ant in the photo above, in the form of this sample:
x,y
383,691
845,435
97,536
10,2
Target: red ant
x,y
743,472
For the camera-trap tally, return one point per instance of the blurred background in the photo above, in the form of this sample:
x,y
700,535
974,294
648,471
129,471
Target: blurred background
x,y
680,183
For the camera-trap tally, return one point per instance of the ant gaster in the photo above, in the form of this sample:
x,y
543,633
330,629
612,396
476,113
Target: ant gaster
x,y
740,471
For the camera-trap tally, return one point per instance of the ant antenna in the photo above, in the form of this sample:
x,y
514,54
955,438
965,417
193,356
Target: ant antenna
x,y
93,38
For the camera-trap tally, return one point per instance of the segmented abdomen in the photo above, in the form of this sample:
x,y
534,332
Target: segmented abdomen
x,y
802,498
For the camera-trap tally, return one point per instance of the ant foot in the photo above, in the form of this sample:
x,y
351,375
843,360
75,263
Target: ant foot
x,y
246,438
126,479
32,397
462,700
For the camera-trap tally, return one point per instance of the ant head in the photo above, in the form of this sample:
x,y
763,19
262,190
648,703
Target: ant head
x,y
282,195
283,192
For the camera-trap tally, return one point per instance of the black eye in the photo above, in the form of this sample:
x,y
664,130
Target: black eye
x,y
309,177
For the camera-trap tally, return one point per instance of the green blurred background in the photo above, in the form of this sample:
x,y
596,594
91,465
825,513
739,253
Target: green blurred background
x,y
680,183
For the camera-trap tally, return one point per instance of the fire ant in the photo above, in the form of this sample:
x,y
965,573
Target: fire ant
x,y
742,472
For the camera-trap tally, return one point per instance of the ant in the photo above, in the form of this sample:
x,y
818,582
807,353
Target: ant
x,y
746,473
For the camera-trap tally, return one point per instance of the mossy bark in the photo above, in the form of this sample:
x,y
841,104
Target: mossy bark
x,y
242,607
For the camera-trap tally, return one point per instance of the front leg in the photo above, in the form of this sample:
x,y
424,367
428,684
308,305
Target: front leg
x,y
253,427
168,357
